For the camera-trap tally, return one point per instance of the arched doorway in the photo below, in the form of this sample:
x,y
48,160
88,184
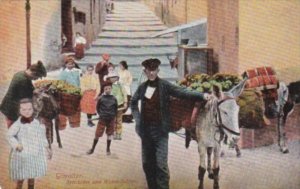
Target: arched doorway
x,y
66,25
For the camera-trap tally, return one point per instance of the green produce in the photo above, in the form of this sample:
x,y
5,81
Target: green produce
x,y
59,85
250,102
204,82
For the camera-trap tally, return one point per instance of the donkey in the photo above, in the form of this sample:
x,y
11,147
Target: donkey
x,y
281,108
47,109
218,118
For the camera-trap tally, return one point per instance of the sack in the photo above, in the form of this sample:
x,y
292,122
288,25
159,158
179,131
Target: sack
x,y
251,109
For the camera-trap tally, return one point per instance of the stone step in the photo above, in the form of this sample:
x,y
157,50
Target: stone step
x,y
133,19
121,11
165,72
126,35
141,8
133,28
130,21
133,61
145,23
160,42
132,16
135,35
137,73
131,51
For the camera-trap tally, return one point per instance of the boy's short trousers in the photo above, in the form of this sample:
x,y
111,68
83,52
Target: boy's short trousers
x,y
108,123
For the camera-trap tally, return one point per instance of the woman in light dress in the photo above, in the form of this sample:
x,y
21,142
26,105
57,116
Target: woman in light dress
x,y
126,81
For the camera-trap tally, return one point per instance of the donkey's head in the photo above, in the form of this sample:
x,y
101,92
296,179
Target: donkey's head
x,y
228,109
44,103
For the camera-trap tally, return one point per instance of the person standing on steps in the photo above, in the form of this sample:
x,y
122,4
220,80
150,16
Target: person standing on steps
x,y
79,45
126,81
102,68
107,107
153,121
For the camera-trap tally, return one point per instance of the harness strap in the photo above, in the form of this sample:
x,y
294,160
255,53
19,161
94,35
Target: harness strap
x,y
219,119
231,131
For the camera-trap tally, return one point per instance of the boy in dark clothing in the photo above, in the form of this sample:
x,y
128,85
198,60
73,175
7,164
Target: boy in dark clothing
x,y
107,107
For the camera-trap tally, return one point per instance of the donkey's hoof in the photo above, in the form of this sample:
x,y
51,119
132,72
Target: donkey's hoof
x,y
285,151
211,176
60,146
222,154
216,186
238,154
90,152
200,186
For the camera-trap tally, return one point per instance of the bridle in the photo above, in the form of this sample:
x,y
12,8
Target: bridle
x,y
220,124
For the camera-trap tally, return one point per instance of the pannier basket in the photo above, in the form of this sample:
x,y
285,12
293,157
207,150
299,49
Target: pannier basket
x,y
181,113
69,103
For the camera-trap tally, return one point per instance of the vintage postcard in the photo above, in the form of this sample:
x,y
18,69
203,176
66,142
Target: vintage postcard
x,y
158,94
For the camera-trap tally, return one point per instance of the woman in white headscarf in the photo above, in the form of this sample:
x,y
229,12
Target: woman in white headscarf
x,y
126,81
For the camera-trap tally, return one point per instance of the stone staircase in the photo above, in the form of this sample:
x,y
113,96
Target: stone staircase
x,y
126,35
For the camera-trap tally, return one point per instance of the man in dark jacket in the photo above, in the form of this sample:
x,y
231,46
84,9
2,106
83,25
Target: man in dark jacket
x,y
19,88
153,122
102,69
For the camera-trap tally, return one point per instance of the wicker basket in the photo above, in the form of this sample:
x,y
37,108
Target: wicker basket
x,y
69,103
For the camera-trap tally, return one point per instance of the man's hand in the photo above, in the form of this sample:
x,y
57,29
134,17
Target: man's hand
x,y
207,96
19,148
125,105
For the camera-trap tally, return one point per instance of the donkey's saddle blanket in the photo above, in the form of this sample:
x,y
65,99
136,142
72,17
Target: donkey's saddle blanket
x,y
261,78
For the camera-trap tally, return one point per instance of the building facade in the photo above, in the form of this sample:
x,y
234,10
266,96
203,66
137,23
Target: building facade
x,y
243,34
53,25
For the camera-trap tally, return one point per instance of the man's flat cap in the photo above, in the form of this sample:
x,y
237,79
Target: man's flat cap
x,y
151,64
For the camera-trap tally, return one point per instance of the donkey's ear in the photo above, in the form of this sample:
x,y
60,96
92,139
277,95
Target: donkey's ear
x,y
236,90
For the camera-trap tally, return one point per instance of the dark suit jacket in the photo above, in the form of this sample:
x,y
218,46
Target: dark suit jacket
x,y
166,90
20,87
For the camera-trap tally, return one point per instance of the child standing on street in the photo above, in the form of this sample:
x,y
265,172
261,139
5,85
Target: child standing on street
x,y
107,109
29,147
120,93
90,88
71,75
